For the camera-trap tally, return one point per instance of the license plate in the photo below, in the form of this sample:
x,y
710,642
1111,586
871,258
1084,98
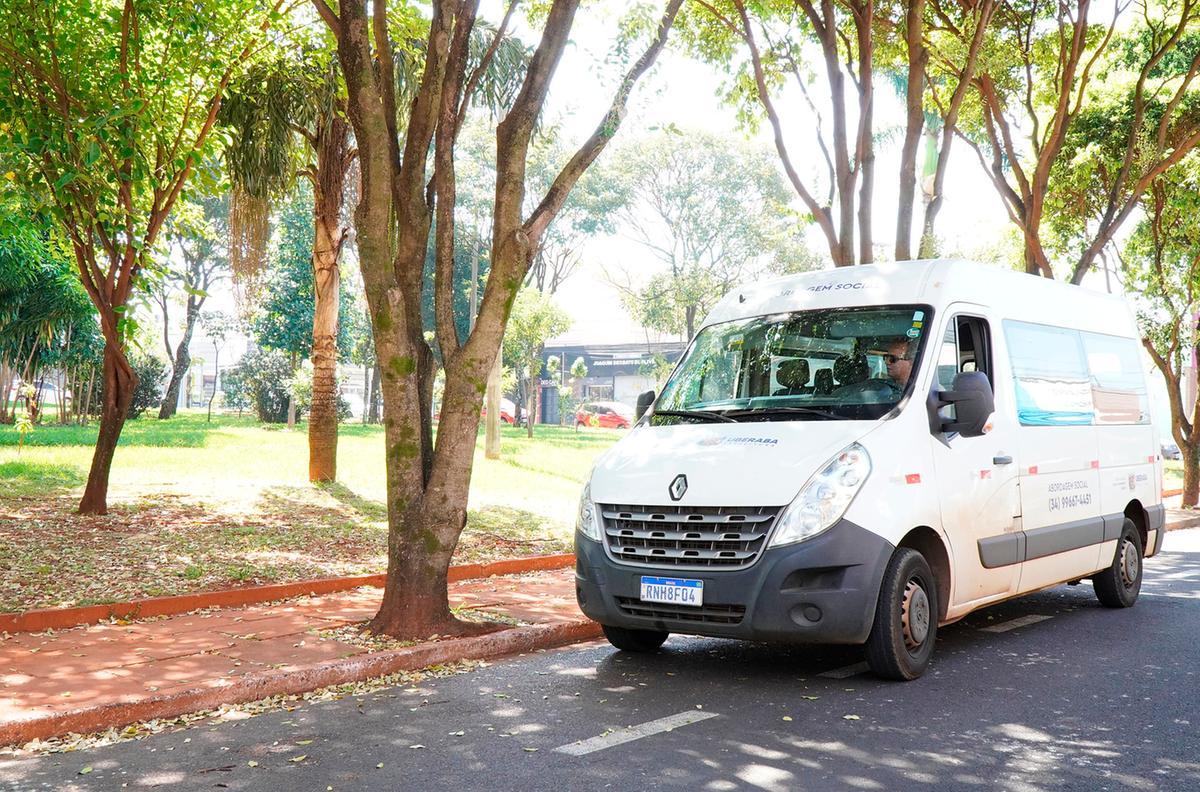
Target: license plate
x,y
675,591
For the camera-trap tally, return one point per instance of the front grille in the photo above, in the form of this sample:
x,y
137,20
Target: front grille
x,y
708,614
727,537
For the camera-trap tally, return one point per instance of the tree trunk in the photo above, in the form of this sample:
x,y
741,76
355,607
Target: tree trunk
x,y
86,415
327,207
291,410
918,56
1191,474
179,368
119,384
6,378
426,523
366,391
491,446
531,405
216,380
376,397
865,149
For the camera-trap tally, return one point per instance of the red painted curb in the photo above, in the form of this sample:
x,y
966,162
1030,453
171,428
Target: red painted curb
x,y
1171,493
299,679
61,618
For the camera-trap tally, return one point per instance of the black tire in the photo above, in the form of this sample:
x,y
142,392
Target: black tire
x,y
628,640
1118,585
900,645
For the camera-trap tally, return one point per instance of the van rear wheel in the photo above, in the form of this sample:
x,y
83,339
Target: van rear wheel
x,y
629,640
905,629
1119,584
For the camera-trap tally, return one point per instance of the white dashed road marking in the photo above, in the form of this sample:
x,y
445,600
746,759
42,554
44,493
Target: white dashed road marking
x,y
847,671
599,743
1013,624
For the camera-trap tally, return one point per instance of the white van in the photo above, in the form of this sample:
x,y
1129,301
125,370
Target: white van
x,y
860,455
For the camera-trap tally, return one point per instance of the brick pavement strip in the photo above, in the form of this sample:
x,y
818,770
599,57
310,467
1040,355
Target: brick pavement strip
x,y
110,675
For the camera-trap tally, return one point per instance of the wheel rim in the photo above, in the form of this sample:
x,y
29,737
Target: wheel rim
x,y
914,614
1129,563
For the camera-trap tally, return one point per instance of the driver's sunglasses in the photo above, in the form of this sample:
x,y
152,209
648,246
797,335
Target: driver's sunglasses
x,y
891,359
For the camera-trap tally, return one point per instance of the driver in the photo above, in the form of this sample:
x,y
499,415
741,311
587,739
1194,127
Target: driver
x,y
897,355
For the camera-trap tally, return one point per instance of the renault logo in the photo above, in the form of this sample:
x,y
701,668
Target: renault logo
x,y
678,487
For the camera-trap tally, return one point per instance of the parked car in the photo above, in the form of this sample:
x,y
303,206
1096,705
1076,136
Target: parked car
x,y
604,414
507,412
1170,451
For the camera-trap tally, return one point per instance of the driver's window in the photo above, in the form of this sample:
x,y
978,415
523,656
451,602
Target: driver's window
x,y
966,346
974,345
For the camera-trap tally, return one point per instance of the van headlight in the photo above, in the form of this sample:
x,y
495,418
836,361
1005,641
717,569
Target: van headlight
x,y
588,522
824,499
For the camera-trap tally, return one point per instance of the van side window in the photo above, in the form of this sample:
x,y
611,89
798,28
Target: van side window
x,y
1119,393
1050,373
966,346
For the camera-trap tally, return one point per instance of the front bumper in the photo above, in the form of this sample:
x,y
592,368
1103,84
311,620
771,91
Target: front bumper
x,y
823,590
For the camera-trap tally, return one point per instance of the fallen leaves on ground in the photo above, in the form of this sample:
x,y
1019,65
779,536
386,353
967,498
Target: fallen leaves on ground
x,y
162,544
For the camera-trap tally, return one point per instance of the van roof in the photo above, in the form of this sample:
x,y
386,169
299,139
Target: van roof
x,y
934,282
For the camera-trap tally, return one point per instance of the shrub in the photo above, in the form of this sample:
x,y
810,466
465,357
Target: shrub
x,y
151,373
262,378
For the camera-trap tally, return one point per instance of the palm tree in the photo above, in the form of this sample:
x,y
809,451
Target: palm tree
x,y
288,120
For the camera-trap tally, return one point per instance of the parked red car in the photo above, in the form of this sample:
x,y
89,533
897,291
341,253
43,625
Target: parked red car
x,y
507,412
605,414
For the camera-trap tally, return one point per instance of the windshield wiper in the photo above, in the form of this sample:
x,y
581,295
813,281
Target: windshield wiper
x,y
704,414
748,413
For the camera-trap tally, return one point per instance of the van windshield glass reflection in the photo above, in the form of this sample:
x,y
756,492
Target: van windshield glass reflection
x,y
828,364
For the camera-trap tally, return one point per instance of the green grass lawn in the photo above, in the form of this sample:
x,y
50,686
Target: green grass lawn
x,y
197,505
1172,473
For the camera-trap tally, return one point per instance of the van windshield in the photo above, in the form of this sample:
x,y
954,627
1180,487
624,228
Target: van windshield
x,y
828,364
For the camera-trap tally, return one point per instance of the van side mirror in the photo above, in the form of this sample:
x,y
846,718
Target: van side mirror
x,y
644,401
971,395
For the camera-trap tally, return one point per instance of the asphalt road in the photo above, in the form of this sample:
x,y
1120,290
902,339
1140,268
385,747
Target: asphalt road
x,y
1049,692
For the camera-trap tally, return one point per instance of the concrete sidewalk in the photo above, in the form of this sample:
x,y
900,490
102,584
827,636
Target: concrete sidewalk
x,y
101,676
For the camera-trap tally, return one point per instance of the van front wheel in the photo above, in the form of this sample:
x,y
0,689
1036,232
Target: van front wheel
x,y
628,640
1118,585
905,629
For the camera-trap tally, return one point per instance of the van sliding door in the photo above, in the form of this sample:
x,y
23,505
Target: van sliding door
x,y
1060,462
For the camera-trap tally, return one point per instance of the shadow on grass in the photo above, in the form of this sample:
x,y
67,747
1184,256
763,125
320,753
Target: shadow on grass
x,y
38,478
372,510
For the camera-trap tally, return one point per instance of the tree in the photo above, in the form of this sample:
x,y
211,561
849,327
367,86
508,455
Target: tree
x,y
945,39
288,114
775,37
217,326
714,211
198,232
427,485
46,319
1162,259
1047,68
534,319
109,110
